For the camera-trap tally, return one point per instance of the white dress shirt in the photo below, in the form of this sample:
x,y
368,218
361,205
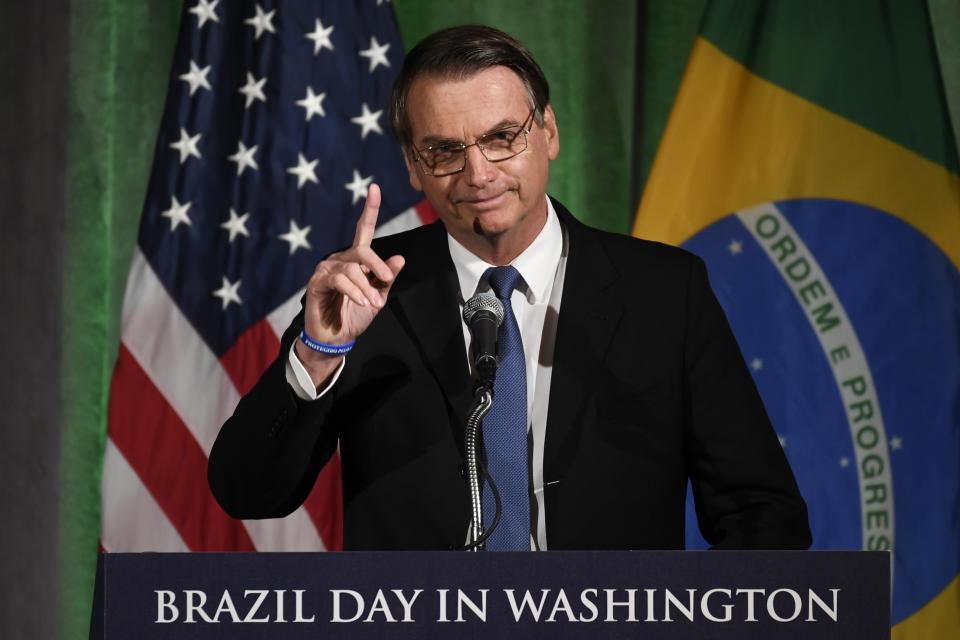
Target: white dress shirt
x,y
536,306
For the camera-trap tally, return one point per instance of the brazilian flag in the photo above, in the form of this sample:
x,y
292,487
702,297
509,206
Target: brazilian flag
x,y
810,161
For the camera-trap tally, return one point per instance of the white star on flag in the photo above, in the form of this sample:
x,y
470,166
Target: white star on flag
x,y
253,89
756,364
735,247
244,157
321,37
377,54
844,462
177,213
358,186
896,443
236,225
313,103
204,11
368,121
186,145
228,293
197,77
304,171
782,439
261,22
296,237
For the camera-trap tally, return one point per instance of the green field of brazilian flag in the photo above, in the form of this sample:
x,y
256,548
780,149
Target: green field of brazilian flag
x,y
809,159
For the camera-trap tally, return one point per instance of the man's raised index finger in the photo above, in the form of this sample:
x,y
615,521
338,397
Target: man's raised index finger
x,y
368,218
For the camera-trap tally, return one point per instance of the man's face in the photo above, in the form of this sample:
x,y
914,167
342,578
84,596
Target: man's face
x,y
487,204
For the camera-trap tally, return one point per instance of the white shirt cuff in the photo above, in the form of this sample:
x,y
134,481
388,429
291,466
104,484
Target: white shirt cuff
x,y
299,379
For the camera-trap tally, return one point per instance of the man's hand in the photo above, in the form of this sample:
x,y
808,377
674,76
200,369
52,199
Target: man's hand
x,y
345,292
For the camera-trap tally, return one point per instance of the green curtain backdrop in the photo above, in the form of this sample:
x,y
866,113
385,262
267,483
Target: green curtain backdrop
x,y
120,57
613,66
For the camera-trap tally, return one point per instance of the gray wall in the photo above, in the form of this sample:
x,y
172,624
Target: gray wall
x,y
33,127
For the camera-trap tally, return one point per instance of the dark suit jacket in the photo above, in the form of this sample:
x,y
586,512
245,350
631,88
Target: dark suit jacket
x,y
648,390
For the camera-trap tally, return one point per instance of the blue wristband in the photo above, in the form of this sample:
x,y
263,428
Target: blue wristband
x,y
331,349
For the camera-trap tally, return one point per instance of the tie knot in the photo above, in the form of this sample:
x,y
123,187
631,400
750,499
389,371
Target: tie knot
x,y
503,280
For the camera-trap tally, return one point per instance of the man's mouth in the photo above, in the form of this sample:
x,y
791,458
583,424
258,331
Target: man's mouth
x,y
483,203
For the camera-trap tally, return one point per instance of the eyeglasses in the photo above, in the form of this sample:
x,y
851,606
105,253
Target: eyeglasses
x,y
446,158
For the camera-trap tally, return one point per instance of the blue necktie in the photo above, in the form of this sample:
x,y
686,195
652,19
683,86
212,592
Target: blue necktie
x,y
505,427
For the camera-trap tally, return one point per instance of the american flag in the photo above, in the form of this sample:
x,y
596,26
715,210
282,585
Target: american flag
x,y
275,123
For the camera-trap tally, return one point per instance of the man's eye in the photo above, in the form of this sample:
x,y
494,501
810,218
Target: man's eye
x,y
500,137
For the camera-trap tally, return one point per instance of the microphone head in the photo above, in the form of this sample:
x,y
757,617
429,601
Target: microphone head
x,y
483,302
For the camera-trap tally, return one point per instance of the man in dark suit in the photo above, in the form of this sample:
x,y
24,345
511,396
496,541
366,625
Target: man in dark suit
x,y
633,382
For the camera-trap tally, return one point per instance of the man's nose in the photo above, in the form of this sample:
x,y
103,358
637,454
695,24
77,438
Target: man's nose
x,y
479,171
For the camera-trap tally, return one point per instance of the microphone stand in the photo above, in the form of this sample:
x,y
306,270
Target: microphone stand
x,y
482,403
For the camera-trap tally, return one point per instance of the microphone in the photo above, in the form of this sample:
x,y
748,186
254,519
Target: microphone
x,y
483,313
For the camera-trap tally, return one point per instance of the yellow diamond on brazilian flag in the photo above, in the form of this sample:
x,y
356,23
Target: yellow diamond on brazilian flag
x,y
810,161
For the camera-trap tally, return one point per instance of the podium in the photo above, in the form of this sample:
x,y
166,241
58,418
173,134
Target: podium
x,y
556,594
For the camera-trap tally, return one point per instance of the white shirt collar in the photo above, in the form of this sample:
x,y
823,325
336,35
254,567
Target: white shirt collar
x,y
537,264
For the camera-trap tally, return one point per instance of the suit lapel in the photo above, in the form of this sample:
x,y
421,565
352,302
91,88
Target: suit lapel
x,y
427,305
588,318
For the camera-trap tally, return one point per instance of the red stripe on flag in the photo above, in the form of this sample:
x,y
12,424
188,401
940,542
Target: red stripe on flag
x,y
325,504
250,355
245,362
168,460
425,211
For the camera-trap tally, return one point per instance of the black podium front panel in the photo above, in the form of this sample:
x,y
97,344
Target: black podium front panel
x,y
681,594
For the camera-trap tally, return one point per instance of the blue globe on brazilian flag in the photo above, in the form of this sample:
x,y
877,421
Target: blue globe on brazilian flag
x,y
810,161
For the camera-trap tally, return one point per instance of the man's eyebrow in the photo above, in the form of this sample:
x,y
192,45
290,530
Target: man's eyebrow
x,y
433,140
506,123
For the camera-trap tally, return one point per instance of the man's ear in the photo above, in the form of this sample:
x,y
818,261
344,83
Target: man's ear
x,y
551,133
412,169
